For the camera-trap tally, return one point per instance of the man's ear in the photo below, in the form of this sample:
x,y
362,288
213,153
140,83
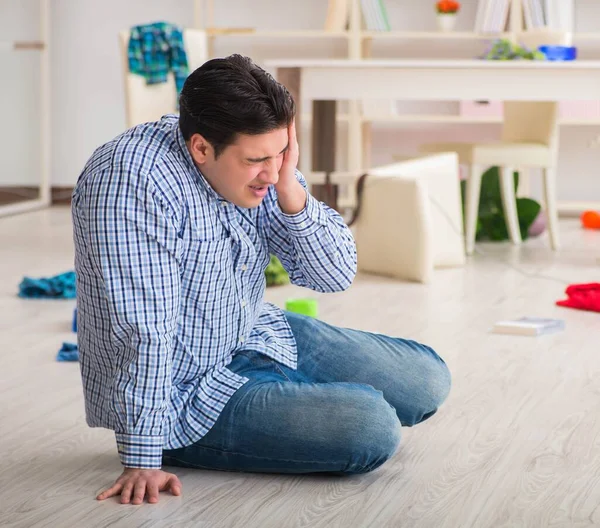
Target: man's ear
x,y
200,149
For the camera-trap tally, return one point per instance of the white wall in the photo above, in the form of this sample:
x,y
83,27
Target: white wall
x,y
19,95
87,80
87,96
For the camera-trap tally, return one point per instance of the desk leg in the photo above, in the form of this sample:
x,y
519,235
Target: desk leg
x,y
323,133
323,149
290,78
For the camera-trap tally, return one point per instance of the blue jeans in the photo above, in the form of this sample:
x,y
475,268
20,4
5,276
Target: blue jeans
x,y
339,413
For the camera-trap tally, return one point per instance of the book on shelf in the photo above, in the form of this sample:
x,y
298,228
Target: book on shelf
x,y
560,14
533,14
550,8
492,16
338,12
549,14
374,13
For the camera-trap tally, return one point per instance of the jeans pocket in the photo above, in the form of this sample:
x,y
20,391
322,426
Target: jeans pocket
x,y
253,364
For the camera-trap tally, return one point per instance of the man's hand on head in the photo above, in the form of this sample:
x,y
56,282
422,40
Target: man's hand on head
x,y
135,484
290,193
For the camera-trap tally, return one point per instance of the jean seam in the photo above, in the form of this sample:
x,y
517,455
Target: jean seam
x,y
280,370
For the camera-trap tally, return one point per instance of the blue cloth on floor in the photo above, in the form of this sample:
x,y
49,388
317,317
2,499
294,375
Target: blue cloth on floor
x,y
156,49
58,287
68,352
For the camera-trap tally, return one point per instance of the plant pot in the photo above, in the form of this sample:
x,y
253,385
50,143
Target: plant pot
x,y
446,21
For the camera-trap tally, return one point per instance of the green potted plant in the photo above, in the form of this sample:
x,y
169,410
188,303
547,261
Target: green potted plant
x,y
491,224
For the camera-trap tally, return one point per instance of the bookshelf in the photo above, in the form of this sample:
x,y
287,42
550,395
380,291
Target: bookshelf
x,y
351,25
293,34
430,35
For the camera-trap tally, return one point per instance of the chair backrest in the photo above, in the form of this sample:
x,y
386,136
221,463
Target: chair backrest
x,y
144,102
534,122
530,122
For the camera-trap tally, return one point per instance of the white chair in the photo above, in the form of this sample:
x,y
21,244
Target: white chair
x,y
144,103
529,140
410,219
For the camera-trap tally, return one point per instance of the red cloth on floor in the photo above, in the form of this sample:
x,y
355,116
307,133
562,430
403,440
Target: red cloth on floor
x,y
582,297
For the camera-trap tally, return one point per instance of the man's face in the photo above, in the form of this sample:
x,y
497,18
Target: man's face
x,y
245,170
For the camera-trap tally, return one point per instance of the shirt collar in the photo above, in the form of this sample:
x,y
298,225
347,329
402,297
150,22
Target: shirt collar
x,y
211,193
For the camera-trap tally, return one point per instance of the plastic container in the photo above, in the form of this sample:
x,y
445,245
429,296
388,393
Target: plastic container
x,y
559,53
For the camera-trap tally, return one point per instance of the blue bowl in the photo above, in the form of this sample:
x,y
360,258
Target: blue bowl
x,y
559,53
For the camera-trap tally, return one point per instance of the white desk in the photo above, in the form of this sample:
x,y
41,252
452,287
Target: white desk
x,y
436,80
441,80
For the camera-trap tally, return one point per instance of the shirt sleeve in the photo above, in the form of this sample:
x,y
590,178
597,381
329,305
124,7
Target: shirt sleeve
x,y
315,246
134,244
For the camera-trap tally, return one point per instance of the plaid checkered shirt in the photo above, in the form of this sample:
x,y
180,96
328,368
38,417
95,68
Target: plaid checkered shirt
x,y
170,285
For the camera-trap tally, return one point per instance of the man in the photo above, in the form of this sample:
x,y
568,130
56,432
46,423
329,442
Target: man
x,y
174,223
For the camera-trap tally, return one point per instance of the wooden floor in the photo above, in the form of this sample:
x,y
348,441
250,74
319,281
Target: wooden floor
x,y
516,445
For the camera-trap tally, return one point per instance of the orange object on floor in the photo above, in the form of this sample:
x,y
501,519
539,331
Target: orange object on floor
x,y
591,219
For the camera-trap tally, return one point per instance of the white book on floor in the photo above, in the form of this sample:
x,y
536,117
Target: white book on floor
x,y
530,326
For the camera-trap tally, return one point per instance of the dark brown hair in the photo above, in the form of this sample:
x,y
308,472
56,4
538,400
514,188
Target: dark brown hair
x,y
231,96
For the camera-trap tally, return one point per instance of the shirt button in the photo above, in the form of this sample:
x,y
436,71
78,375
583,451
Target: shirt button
x,y
224,204
241,339
244,267
243,303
